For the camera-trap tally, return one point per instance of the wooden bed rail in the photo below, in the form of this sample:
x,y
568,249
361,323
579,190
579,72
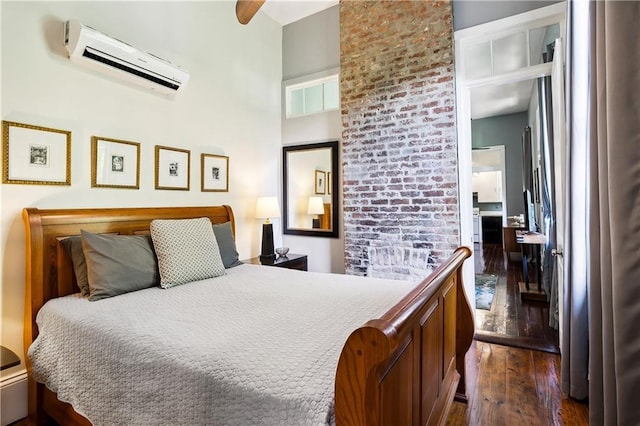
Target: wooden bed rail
x,y
404,367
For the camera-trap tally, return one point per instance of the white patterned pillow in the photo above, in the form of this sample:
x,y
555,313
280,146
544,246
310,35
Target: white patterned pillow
x,y
187,251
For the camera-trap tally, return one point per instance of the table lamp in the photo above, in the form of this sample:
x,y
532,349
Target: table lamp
x,y
316,207
267,208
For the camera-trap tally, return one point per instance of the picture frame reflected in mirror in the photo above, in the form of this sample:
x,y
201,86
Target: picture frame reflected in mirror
x,y
320,182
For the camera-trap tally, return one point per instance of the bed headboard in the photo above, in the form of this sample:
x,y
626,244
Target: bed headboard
x,y
49,271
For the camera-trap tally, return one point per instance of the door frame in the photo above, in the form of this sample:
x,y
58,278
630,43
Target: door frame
x,y
463,38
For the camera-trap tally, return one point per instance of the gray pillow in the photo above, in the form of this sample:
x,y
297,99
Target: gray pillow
x,y
118,264
187,250
227,244
73,246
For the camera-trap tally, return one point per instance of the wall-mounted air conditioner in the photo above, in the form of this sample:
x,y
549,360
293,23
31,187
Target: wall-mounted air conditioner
x,y
101,52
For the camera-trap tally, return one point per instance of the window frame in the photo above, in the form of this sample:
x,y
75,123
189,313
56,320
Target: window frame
x,y
305,82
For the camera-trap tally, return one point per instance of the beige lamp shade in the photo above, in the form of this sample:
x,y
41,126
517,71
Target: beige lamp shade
x,y
267,208
316,205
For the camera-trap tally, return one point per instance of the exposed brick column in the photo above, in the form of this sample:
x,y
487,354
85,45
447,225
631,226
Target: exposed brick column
x,y
399,143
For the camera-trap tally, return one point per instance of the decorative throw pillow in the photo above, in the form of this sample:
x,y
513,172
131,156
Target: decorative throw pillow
x,y
73,246
227,244
118,264
187,251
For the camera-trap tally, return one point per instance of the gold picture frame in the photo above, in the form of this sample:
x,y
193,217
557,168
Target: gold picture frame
x,y
35,155
172,168
115,163
214,173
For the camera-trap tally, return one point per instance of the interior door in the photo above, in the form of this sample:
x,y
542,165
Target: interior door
x,y
559,141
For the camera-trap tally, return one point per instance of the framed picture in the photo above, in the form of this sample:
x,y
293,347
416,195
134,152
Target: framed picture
x,y
214,173
321,184
35,155
329,184
115,163
173,168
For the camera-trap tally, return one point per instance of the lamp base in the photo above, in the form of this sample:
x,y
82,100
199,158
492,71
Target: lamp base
x,y
267,259
268,254
315,224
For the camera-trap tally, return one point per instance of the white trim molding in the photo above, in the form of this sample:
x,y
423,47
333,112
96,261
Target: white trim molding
x,y
14,397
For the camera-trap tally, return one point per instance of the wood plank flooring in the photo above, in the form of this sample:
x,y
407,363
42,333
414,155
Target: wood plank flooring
x,y
515,386
511,321
513,366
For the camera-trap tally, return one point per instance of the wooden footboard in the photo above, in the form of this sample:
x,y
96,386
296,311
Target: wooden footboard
x,y
404,368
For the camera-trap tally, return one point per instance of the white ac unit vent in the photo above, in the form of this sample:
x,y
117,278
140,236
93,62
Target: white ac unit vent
x,y
101,52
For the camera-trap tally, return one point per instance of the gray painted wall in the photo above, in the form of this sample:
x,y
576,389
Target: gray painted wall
x,y
311,44
468,13
505,130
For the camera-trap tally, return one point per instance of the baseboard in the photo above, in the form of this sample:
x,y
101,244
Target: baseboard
x,y
516,341
14,398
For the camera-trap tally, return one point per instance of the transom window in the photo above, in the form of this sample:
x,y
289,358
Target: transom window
x,y
312,97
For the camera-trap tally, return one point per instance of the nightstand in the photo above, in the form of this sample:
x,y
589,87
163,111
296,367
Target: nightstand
x,y
290,261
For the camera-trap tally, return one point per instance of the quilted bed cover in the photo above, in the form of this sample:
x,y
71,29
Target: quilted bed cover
x,y
257,346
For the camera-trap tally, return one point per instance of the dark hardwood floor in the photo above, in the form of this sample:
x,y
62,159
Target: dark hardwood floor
x,y
511,321
513,365
515,386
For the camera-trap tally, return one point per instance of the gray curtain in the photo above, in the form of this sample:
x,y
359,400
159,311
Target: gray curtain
x,y
574,322
547,193
607,154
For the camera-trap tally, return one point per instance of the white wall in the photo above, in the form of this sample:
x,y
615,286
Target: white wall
x,y
325,254
231,106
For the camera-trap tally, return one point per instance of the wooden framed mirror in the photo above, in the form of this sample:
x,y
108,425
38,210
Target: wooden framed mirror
x,y
310,189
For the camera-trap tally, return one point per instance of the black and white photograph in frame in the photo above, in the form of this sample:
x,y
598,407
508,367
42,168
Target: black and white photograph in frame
x,y
35,155
214,173
172,168
115,163
320,182
39,155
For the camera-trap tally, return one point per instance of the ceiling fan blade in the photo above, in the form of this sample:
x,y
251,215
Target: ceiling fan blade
x,y
245,9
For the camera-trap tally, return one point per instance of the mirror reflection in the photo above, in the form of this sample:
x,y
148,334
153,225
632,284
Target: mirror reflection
x,y
310,183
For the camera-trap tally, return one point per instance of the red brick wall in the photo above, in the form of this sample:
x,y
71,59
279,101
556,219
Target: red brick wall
x,y
399,143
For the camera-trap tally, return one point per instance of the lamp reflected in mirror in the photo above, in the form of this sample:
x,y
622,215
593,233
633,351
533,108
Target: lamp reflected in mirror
x,y
315,208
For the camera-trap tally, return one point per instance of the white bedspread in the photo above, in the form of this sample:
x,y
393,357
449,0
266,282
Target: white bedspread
x,y
258,346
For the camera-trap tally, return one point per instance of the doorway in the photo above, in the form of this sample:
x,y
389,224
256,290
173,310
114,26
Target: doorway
x,y
496,80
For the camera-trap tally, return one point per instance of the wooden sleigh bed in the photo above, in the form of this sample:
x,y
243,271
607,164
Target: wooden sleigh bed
x,y
403,368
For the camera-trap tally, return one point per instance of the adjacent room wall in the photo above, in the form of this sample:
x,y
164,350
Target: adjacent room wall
x,y
231,107
311,47
468,13
399,141
505,130
311,44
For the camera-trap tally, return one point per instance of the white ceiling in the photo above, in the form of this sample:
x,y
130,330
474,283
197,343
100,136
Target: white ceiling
x,y
287,11
507,54
489,101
